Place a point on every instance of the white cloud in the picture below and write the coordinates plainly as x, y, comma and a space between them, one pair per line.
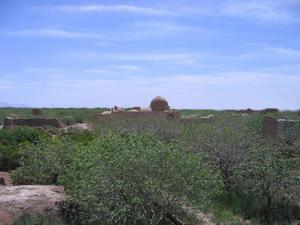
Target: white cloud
218, 91
98, 71
280, 55
289, 52
260, 10
101, 8
55, 33
172, 58
129, 32
43, 70
164, 28
264, 11
128, 68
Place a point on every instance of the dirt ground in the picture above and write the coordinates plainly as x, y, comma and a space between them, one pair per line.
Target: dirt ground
29, 199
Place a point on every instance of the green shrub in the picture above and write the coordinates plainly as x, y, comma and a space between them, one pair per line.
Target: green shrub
9, 157
225, 142
37, 220
70, 120
18, 135
138, 179
270, 176
11, 139
83, 137
78, 118
291, 133
162, 128
44, 162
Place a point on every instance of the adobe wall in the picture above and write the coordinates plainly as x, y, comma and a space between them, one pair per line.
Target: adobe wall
270, 128
32, 122
140, 115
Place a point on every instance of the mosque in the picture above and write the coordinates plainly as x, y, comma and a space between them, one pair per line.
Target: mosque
159, 108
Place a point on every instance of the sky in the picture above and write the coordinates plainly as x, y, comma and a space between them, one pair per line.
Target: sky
204, 54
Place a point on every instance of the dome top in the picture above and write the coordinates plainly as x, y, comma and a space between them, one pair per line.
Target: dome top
159, 98
159, 104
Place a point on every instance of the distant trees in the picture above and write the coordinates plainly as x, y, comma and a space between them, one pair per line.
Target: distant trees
224, 142
251, 168
149, 173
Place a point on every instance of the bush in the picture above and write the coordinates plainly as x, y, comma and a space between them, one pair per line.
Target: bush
37, 220
224, 142
13, 137
45, 162
9, 157
138, 179
83, 137
162, 128
291, 133
270, 176
69, 120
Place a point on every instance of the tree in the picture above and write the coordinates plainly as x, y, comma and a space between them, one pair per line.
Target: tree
224, 142
138, 179
269, 174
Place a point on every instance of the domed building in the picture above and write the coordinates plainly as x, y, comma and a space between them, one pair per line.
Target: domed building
159, 104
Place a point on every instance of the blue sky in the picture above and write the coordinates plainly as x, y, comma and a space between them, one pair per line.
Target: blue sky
198, 54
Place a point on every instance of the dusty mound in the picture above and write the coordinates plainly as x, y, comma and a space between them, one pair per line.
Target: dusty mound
78, 127
5, 218
5, 179
30, 199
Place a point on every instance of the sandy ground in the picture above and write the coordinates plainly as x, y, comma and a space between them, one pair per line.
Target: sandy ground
31, 199
5, 218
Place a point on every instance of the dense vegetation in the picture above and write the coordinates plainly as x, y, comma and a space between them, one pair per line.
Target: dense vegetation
150, 172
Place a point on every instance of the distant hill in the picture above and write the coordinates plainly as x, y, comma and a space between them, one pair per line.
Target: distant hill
5, 105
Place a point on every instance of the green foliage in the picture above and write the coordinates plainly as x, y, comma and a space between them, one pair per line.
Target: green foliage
163, 129
13, 137
241, 204
9, 157
253, 125
44, 162
291, 133
69, 120
37, 220
224, 142
122, 178
270, 176
83, 137
226, 216
138, 179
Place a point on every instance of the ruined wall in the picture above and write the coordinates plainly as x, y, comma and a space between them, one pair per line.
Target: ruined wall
270, 128
140, 115
36, 112
32, 122
269, 110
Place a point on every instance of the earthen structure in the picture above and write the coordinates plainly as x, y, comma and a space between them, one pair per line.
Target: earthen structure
269, 110
159, 104
36, 112
32, 122
270, 128
159, 109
